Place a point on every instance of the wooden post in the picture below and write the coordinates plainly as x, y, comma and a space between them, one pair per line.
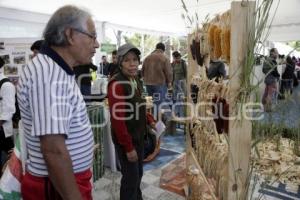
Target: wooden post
242, 21
192, 69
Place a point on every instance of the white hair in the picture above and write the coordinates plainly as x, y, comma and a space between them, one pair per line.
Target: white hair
65, 17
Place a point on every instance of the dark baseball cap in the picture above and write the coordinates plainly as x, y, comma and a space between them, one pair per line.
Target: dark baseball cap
124, 49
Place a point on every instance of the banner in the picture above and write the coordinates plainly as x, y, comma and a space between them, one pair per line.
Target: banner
16, 54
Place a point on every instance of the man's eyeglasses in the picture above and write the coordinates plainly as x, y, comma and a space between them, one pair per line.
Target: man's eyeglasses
92, 36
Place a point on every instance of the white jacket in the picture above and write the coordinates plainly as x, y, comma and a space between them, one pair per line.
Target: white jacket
7, 105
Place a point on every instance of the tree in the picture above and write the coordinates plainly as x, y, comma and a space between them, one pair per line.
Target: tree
149, 42
295, 45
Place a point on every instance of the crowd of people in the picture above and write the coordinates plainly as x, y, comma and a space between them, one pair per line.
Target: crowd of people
52, 93
57, 130
278, 86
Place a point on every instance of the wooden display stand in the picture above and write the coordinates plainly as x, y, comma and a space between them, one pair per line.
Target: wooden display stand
239, 136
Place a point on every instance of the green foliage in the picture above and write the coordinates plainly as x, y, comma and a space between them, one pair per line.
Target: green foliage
149, 42
295, 45
271, 131
258, 32
135, 39
180, 44
177, 43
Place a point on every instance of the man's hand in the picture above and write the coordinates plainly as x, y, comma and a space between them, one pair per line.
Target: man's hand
59, 162
132, 156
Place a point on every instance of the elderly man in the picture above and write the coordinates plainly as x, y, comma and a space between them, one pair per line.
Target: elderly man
57, 129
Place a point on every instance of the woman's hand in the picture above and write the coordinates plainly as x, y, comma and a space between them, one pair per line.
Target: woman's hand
132, 156
153, 126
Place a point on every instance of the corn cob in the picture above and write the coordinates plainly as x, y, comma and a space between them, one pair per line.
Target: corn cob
217, 43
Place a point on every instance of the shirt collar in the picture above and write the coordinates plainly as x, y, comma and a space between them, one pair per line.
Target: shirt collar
45, 49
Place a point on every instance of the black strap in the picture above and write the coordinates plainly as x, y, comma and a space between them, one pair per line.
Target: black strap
183, 68
4, 81
182, 63
1, 83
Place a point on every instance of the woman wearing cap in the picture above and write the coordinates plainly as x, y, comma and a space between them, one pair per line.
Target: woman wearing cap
128, 119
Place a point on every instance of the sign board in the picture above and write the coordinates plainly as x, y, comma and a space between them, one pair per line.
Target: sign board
16, 54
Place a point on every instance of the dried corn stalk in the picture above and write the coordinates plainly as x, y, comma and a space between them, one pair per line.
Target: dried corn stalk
197, 186
204, 38
212, 154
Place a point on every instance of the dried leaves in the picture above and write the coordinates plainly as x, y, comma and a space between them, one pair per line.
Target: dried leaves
277, 165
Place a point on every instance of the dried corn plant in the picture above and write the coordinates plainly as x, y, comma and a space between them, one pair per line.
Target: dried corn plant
211, 149
207, 144
212, 153
198, 189
191, 19
203, 34
199, 29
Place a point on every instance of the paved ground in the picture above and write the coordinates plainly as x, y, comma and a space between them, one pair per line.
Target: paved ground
107, 188
286, 111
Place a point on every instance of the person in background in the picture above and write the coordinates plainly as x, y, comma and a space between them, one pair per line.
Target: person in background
287, 78
271, 79
294, 59
36, 46
179, 82
84, 79
113, 66
7, 109
128, 125
157, 75
57, 129
104, 66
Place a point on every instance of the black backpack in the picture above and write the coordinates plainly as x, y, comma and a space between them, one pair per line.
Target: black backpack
182, 63
17, 115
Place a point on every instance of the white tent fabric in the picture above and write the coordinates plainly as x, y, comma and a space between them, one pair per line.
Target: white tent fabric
286, 50
156, 16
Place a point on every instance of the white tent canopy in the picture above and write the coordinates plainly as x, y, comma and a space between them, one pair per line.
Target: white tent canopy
286, 50
20, 18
